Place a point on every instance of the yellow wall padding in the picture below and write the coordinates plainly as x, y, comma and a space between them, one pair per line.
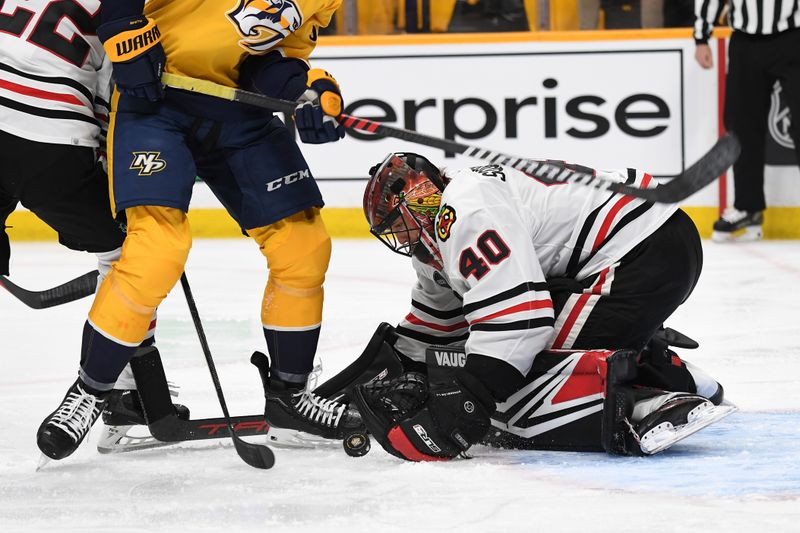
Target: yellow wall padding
374, 16
441, 13
532, 13
564, 15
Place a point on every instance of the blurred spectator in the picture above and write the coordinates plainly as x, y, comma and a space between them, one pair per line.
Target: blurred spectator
628, 14
678, 13
489, 16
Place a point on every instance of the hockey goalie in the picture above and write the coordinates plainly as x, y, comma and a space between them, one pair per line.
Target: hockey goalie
540, 309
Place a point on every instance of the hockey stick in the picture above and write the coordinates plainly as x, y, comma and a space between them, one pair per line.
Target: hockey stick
256, 455
707, 169
70, 291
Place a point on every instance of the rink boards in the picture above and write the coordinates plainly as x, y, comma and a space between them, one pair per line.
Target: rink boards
603, 99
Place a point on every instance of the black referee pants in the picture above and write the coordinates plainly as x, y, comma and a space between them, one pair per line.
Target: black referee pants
755, 63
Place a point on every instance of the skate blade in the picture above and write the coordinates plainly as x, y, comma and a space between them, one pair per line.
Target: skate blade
117, 439
291, 438
749, 234
43, 461
665, 435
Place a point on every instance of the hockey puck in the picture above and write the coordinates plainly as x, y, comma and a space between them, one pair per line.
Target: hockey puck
356, 444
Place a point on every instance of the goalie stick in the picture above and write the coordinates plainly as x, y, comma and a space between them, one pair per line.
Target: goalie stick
70, 291
702, 173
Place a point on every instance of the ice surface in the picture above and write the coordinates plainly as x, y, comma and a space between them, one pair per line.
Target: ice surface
742, 474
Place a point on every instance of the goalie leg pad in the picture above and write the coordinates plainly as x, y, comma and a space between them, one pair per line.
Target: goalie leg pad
378, 362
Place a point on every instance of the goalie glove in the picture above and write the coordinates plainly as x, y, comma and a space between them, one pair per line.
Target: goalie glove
454, 417
315, 115
133, 44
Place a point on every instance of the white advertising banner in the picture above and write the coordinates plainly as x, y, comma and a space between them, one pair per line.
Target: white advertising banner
605, 104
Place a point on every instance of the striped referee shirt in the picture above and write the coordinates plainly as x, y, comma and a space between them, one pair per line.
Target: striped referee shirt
756, 17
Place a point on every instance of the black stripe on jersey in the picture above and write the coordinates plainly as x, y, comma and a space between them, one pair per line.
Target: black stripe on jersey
624, 221
527, 286
776, 13
47, 113
745, 15
101, 103
574, 260
430, 339
705, 28
436, 313
511, 326
795, 10
55, 80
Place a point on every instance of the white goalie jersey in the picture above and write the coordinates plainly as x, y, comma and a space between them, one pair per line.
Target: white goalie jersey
55, 80
502, 234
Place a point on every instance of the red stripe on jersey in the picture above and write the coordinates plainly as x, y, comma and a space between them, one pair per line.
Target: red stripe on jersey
38, 93
372, 126
401, 443
571, 318
438, 327
524, 306
622, 202
601, 235
601, 279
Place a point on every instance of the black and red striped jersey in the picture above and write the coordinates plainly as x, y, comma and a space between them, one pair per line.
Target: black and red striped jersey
55, 81
502, 234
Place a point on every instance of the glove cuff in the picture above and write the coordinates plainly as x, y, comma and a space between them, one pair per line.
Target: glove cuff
127, 39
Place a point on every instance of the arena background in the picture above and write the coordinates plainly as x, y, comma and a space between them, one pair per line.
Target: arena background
605, 99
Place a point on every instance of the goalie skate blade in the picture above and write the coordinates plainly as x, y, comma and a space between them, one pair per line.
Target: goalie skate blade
43, 461
665, 435
291, 438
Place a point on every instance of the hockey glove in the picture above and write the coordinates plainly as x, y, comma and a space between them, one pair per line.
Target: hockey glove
133, 45
319, 106
454, 417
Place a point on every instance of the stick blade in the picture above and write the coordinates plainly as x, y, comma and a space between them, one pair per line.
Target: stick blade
75, 289
256, 455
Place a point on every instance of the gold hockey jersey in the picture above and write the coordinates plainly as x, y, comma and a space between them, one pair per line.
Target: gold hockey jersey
210, 39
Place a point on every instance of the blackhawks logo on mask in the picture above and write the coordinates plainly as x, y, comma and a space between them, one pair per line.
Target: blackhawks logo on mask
444, 222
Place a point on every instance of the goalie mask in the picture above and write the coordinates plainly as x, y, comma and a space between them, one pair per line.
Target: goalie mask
401, 201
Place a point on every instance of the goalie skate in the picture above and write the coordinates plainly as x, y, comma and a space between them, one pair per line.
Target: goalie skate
678, 416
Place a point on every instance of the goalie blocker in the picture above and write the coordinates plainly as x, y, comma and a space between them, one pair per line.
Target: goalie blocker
571, 400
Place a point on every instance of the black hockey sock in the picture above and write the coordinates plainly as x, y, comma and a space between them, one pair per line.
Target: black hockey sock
291, 354
102, 359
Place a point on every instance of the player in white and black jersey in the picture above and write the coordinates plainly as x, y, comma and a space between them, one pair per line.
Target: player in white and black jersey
508, 267
55, 87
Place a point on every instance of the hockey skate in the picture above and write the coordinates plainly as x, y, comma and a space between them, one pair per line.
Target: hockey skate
125, 426
64, 429
661, 419
298, 417
738, 226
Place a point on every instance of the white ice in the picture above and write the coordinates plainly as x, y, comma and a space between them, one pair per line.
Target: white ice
741, 475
